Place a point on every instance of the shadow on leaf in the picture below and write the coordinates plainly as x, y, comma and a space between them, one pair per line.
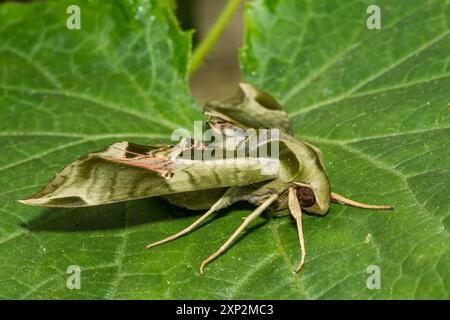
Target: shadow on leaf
105, 217
116, 216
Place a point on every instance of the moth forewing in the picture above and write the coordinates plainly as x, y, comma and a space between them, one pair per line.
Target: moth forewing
111, 175
249, 108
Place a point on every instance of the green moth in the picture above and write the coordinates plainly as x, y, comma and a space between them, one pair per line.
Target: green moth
126, 171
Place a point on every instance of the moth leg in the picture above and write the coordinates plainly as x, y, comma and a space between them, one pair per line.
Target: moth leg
236, 233
342, 200
223, 202
296, 211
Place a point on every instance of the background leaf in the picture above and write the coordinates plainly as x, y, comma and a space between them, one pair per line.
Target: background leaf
374, 101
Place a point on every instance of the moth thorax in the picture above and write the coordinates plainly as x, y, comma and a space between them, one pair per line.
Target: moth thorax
306, 196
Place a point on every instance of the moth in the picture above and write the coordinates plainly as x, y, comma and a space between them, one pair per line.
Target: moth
126, 171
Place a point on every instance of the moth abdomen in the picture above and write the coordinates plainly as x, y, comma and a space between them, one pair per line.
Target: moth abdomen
195, 200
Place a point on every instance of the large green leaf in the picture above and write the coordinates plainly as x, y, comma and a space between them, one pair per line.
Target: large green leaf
375, 101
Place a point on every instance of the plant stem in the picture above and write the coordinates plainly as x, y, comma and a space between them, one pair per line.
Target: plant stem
214, 33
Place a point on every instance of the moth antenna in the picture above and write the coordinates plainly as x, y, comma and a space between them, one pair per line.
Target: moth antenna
236, 233
296, 211
345, 201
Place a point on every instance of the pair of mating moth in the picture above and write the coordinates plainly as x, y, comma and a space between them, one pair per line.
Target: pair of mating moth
126, 171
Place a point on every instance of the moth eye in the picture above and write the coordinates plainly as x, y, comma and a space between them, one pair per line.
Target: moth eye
306, 196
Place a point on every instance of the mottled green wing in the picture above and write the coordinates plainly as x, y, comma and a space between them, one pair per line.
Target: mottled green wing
249, 108
126, 171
